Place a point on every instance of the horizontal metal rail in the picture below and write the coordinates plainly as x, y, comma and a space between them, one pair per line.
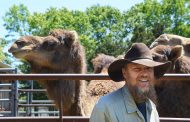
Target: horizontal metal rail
5, 90
32, 112
5, 84
7, 69
44, 112
32, 90
33, 105
71, 119
78, 77
44, 119
54, 76
3, 100
37, 101
166, 119
5, 112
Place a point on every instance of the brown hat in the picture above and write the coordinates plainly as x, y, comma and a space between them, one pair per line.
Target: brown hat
138, 53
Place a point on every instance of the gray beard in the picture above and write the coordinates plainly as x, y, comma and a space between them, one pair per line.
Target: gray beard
140, 96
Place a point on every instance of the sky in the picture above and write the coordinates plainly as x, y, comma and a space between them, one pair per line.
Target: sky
43, 5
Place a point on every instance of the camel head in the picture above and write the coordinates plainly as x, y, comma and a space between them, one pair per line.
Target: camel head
59, 52
35, 50
22, 47
101, 63
163, 53
168, 39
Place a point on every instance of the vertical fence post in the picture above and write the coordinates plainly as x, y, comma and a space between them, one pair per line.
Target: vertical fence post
31, 96
29, 99
15, 96
27, 102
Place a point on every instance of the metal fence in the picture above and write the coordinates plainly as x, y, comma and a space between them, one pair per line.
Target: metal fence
12, 106
8, 77
8, 94
33, 107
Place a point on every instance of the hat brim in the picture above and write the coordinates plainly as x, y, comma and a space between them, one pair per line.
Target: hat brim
115, 69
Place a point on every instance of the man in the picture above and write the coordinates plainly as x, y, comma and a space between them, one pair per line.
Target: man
133, 102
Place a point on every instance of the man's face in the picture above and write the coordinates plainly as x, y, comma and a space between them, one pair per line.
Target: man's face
139, 79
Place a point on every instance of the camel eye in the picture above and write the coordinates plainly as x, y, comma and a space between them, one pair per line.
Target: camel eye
162, 41
48, 45
59, 38
157, 57
20, 43
52, 44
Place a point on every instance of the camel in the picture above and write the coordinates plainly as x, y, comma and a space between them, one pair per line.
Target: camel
173, 96
60, 52
173, 40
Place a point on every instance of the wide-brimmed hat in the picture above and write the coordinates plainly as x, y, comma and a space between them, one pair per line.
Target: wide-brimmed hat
138, 53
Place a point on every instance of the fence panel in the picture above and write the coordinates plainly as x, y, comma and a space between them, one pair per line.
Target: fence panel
76, 77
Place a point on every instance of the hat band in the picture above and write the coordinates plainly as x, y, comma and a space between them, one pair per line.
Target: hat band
139, 58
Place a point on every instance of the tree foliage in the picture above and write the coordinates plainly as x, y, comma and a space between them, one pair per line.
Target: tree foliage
2, 44
104, 29
152, 18
16, 20
108, 29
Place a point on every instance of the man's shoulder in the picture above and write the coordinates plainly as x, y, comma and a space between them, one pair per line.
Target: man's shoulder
111, 98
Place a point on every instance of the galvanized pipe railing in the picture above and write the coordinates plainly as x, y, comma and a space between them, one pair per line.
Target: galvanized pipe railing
54, 76
79, 77
32, 90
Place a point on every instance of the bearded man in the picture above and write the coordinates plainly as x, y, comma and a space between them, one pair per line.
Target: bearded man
135, 101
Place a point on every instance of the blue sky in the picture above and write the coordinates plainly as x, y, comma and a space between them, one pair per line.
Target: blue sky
42, 5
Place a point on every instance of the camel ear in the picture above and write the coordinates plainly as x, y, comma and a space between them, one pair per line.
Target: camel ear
175, 41
66, 37
61, 38
187, 47
69, 38
58, 34
176, 52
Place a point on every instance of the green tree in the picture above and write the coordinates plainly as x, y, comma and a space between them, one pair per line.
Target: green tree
2, 44
16, 20
104, 29
108, 29
141, 34
177, 13
42, 23
166, 16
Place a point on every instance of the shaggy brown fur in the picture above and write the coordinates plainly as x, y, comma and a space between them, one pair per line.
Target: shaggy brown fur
101, 64
173, 96
173, 40
52, 55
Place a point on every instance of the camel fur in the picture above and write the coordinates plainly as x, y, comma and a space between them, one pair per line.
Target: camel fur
173, 96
